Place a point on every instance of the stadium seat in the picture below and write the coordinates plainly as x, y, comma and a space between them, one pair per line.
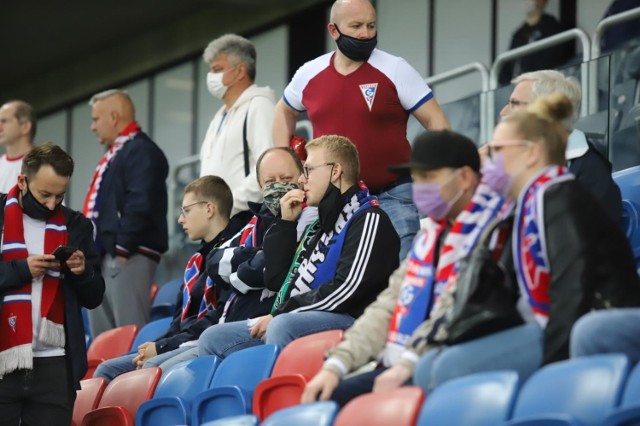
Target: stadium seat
313, 414
150, 332
164, 303
171, 403
577, 391
628, 181
110, 344
88, 397
398, 407
483, 399
88, 338
299, 361
243, 420
153, 291
628, 413
122, 397
233, 384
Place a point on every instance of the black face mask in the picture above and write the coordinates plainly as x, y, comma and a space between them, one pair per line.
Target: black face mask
354, 48
34, 209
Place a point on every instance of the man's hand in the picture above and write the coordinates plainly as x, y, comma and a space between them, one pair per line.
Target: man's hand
259, 329
39, 264
146, 351
393, 378
291, 204
320, 387
76, 263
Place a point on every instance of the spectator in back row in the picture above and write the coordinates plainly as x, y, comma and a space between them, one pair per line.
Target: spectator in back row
17, 130
366, 95
127, 203
241, 129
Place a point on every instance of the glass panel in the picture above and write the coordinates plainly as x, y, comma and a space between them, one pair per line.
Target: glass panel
139, 92
207, 104
272, 64
53, 128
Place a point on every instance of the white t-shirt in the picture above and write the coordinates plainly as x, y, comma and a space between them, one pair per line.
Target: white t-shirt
9, 171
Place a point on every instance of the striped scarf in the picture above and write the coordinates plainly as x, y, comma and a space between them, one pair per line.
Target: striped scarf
16, 329
191, 275
90, 208
529, 246
421, 287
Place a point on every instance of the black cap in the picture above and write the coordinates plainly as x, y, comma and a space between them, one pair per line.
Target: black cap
437, 149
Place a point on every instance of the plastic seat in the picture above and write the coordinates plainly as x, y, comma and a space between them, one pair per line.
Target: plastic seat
398, 407
576, 391
110, 344
313, 414
150, 332
171, 403
233, 384
88, 397
299, 361
164, 303
628, 181
628, 412
153, 291
122, 397
244, 420
475, 400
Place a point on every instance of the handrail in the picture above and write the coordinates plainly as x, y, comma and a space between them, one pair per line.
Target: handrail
609, 22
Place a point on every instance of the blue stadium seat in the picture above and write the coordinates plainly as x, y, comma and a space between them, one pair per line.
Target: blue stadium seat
577, 391
243, 420
233, 384
150, 332
483, 399
628, 181
313, 414
171, 403
629, 411
88, 338
165, 302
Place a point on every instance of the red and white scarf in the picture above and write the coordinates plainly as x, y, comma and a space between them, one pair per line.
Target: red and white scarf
16, 329
90, 208
191, 275
529, 244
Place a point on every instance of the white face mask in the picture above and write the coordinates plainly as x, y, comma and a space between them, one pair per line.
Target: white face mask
215, 85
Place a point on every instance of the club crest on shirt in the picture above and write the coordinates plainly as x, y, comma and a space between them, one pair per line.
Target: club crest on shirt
12, 322
369, 93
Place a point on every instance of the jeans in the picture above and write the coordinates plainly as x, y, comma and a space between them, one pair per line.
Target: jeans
224, 339
355, 386
519, 348
175, 357
111, 368
608, 331
398, 204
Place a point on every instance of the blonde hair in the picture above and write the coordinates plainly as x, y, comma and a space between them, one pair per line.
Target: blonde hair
341, 150
542, 122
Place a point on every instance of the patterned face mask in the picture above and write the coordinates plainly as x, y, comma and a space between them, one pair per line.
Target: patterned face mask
273, 192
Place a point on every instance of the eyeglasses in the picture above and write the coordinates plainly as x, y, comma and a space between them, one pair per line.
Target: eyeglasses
513, 103
494, 146
306, 170
184, 211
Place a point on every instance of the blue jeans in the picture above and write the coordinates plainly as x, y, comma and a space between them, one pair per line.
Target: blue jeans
398, 204
519, 348
608, 331
111, 368
224, 339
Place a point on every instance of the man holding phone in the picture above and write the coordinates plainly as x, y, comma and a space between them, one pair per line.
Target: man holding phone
42, 347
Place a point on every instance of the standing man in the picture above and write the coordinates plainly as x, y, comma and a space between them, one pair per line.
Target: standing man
127, 202
42, 349
17, 129
364, 94
241, 129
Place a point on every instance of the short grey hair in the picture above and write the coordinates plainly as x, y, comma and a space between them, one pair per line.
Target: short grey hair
25, 113
107, 94
547, 82
239, 48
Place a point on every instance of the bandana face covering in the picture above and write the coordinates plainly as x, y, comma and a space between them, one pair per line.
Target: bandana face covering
273, 192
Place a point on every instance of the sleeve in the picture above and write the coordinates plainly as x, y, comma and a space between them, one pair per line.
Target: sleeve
189, 333
363, 268
14, 273
279, 250
146, 171
367, 337
413, 91
293, 92
239, 267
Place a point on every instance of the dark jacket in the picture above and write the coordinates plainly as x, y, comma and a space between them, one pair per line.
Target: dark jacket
133, 201
368, 257
85, 290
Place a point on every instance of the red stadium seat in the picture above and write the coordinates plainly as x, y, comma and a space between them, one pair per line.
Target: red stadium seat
110, 344
88, 397
398, 407
153, 291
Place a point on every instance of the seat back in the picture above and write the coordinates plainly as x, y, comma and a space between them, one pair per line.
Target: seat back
305, 355
188, 379
88, 397
165, 301
398, 407
628, 181
246, 368
112, 343
631, 396
586, 389
151, 331
131, 389
314, 414
479, 399
153, 291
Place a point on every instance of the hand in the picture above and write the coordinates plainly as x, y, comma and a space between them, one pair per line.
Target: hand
322, 384
291, 204
259, 329
40, 264
122, 259
393, 378
146, 351
76, 263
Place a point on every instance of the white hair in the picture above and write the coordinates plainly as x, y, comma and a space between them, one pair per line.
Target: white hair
107, 94
241, 49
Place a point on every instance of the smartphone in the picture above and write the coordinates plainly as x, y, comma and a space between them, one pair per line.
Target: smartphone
63, 253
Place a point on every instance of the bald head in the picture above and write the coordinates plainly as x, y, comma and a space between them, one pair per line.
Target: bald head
111, 112
343, 10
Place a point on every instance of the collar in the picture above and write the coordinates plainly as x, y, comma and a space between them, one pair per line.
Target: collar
577, 145
131, 128
332, 204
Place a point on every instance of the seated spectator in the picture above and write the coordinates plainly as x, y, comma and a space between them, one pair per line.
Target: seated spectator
445, 168
341, 264
567, 260
206, 207
607, 331
584, 161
